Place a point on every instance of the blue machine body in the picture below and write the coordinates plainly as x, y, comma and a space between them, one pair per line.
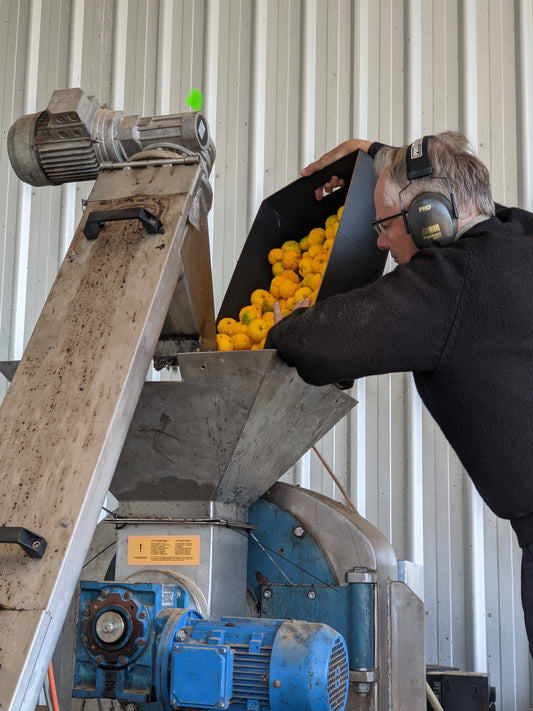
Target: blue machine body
140, 643
291, 578
121, 665
134, 649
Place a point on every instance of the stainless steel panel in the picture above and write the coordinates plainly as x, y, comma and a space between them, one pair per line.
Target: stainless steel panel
232, 427
407, 661
217, 582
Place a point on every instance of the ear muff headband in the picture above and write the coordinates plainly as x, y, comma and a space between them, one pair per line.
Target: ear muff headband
432, 217
416, 159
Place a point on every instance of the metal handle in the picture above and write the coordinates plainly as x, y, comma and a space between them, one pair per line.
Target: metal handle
96, 220
31, 543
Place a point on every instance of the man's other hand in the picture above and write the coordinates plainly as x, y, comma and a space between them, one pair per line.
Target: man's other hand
330, 157
303, 304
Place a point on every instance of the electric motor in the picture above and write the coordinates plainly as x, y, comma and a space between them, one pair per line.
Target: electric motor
135, 645
75, 135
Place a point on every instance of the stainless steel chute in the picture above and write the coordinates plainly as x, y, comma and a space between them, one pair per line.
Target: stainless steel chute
230, 429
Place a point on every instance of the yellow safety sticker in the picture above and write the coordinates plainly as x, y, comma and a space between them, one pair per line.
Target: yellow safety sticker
164, 550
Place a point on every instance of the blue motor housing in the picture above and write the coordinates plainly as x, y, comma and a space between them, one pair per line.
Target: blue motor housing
135, 648
256, 665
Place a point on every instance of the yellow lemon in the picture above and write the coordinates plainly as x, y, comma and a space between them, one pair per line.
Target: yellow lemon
291, 245
318, 261
227, 326
257, 330
339, 212
275, 255
290, 303
303, 292
258, 296
304, 243
224, 342
332, 219
290, 259
248, 313
314, 282
277, 268
240, 327
268, 304
287, 288
291, 276
305, 266
274, 286
268, 317
315, 250
316, 236
241, 342
331, 230
328, 244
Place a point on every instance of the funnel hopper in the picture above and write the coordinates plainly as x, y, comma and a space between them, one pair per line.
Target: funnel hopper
230, 429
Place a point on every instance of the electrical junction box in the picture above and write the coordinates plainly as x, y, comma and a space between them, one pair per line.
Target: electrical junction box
293, 211
462, 691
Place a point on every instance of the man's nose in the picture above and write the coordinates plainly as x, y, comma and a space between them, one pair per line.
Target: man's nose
382, 242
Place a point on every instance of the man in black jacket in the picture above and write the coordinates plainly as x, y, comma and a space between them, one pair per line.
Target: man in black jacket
458, 314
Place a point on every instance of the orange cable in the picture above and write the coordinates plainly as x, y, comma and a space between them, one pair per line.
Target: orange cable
53, 690
337, 482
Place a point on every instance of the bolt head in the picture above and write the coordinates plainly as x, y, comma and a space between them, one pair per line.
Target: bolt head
276, 684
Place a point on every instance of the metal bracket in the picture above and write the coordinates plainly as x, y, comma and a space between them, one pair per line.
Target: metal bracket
96, 220
31, 543
361, 575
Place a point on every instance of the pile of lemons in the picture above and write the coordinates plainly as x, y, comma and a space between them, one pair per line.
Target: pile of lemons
297, 270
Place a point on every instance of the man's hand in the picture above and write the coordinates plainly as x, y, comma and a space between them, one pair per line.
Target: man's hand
340, 151
303, 304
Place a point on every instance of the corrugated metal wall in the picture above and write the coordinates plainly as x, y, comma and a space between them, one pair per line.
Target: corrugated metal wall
284, 80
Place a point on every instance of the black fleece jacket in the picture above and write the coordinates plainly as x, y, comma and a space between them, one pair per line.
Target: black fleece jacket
461, 319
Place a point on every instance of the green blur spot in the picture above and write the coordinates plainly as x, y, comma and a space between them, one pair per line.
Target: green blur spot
195, 99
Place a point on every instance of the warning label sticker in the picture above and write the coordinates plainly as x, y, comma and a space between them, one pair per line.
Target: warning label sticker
166, 550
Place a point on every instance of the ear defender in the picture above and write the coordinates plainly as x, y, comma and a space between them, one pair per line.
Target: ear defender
430, 220
432, 217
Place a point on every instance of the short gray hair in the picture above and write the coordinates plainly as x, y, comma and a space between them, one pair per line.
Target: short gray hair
451, 156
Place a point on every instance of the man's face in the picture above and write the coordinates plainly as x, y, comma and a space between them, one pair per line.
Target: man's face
393, 235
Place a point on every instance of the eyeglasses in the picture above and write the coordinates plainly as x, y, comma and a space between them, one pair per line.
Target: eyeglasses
376, 224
